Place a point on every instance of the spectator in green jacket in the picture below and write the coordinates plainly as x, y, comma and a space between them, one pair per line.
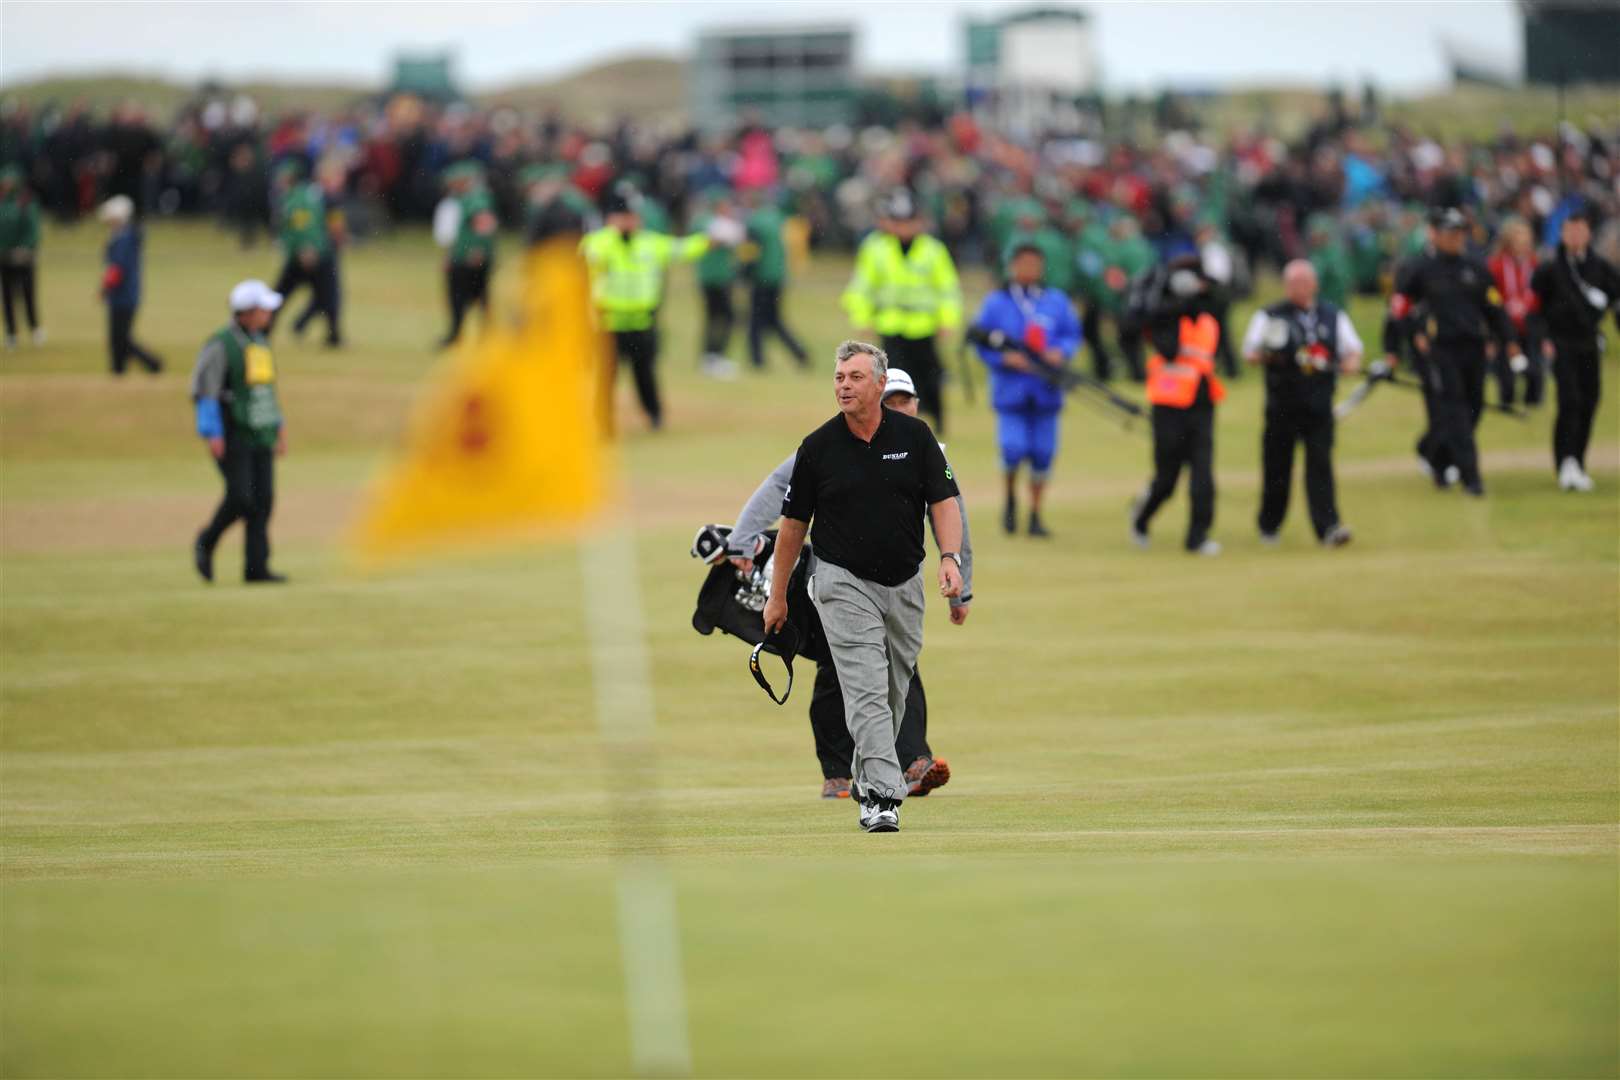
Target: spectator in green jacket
1032, 227
767, 275
1334, 272
308, 251
717, 278
19, 248
466, 227
553, 204
1110, 260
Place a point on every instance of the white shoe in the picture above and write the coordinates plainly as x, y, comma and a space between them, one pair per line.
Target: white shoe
1338, 536
1452, 474
880, 815
1269, 539
39, 335
719, 367
1209, 548
1571, 477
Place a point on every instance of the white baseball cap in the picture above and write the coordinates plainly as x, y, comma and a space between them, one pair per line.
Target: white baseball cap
119, 209
899, 383
254, 294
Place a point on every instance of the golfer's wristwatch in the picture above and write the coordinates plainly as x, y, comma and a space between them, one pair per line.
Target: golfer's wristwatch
953, 556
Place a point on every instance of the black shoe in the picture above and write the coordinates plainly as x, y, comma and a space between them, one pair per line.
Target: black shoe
1035, 526
202, 557
266, 578
1009, 517
1476, 489
155, 367
334, 343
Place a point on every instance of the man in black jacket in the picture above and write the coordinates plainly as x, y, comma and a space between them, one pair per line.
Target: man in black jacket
1464, 311
1573, 291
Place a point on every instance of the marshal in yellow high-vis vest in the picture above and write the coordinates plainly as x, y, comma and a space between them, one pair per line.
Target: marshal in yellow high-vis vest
904, 292
627, 272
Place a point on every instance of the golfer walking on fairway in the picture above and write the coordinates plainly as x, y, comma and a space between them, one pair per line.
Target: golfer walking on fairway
866, 477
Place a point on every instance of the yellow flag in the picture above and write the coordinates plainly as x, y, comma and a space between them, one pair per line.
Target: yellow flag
507, 443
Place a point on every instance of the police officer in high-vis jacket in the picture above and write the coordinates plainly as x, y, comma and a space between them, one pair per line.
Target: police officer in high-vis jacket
239, 418
1174, 309
906, 290
1303, 342
627, 266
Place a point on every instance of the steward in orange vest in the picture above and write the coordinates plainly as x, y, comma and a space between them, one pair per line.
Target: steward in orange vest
1184, 391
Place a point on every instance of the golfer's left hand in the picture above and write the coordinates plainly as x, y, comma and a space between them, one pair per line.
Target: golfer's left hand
775, 614
959, 614
950, 578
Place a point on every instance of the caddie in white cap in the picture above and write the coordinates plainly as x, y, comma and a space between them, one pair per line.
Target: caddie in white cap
899, 382
238, 416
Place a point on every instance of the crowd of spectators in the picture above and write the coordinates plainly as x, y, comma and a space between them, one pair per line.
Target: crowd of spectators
1351, 195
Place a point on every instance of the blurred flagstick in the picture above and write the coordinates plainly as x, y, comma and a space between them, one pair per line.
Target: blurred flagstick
649, 930
508, 444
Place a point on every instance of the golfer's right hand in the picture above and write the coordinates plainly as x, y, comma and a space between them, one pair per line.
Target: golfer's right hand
775, 614
1548, 352
216, 446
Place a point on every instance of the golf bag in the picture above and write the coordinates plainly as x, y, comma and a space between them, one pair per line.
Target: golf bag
733, 602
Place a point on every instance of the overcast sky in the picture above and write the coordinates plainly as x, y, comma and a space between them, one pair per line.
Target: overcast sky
1141, 44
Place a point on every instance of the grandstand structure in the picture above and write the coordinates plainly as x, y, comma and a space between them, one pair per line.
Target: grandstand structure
782, 76
1569, 42
1032, 71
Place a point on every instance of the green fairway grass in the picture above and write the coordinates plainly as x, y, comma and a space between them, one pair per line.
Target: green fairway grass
1288, 812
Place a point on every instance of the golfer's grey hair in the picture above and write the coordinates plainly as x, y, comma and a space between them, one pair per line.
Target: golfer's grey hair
880, 359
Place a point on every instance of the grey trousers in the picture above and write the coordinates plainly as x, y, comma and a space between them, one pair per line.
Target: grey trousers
874, 633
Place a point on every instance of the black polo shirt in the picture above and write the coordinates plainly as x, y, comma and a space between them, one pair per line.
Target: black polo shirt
868, 499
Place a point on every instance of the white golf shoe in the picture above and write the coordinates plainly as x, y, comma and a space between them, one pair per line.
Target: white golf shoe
880, 815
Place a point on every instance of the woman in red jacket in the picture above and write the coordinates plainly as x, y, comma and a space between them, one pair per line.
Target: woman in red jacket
1511, 265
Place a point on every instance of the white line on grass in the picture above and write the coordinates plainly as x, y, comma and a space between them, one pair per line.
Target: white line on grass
649, 930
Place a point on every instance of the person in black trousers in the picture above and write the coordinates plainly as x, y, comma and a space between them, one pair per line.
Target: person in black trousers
1574, 290
1304, 343
121, 286
19, 251
835, 746
1172, 307
239, 418
1464, 310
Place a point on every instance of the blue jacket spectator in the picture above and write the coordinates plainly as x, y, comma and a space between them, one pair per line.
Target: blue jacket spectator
122, 278
1013, 310
121, 285
1027, 405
